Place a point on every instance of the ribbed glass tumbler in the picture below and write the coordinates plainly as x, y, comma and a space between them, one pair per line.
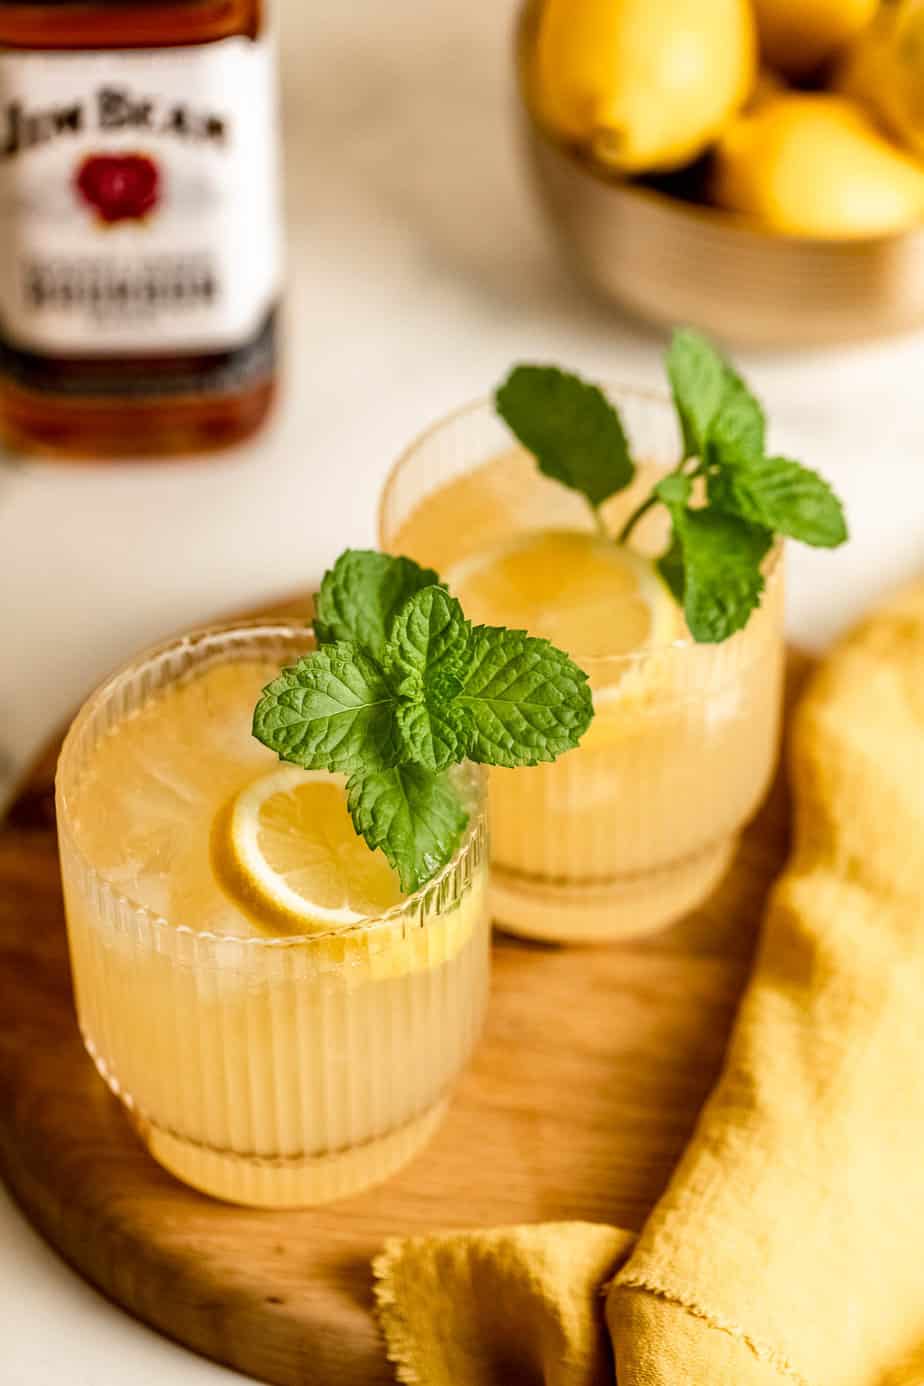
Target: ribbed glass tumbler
263, 1068
636, 826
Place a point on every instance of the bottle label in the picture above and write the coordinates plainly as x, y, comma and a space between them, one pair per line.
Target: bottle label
138, 205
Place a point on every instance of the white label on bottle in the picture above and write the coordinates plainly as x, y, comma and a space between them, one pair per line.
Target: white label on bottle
138, 199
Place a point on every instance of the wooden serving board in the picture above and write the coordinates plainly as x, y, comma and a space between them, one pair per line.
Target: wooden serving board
582, 1095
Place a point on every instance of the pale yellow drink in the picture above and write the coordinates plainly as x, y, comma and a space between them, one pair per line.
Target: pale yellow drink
266, 1058
637, 825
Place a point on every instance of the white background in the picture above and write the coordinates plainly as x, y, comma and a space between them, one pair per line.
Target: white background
419, 271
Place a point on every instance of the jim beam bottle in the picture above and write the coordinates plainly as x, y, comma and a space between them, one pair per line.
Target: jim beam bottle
139, 226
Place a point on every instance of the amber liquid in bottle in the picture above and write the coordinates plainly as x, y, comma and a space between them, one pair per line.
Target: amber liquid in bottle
138, 210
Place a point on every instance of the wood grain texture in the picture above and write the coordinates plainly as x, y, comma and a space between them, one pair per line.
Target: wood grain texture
584, 1091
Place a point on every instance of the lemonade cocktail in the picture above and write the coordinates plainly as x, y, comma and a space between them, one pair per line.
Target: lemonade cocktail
283, 1025
636, 826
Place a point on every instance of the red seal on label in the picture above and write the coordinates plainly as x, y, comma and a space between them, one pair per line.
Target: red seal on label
119, 187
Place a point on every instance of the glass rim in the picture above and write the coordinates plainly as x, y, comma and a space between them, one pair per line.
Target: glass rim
643, 394
202, 635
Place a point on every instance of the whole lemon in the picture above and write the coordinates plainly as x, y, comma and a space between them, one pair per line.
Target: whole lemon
813, 164
799, 35
884, 70
644, 84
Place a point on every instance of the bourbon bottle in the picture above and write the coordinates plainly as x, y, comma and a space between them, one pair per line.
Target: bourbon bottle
139, 226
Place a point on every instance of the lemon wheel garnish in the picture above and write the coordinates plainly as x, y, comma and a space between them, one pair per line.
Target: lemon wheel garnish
291, 853
587, 594
665, 619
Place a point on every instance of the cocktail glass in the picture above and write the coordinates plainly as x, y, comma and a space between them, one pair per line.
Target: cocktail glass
264, 1067
636, 826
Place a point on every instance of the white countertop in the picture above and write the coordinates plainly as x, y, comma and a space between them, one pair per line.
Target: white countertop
419, 272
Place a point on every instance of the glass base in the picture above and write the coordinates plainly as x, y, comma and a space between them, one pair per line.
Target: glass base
632, 908
295, 1183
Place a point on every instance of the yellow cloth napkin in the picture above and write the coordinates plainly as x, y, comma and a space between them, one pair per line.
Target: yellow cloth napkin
789, 1246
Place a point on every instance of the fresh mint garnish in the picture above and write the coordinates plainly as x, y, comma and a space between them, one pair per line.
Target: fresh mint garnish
720, 556
429, 643
333, 711
571, 429
738, 431
721, 421
414, 691
412, 815
782, 495
698, 381
360, 595
427, 655
721, 529
434, 735
671, 568
529, 701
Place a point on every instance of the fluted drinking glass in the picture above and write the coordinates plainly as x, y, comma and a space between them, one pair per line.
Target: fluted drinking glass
636, 826
267, 1069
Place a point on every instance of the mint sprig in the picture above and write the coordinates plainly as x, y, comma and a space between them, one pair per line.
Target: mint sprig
721, 529
403, 688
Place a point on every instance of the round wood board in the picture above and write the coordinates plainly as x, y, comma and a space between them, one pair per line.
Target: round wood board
586, 1086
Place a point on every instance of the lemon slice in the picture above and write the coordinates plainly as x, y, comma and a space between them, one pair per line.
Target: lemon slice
291, 853
288, 853
589, 595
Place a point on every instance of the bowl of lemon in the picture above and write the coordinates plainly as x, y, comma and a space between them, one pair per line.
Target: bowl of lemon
755, 167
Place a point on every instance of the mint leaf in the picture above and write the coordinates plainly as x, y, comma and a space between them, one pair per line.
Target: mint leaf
496, 695
723, 579
722, 556
333, 710
360, 595
413, 816
426, 661
570, 427
433, 734
738, 432
671, 567
719, 417
697, 375
713, 563
428, 641
529, 702
784, 496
